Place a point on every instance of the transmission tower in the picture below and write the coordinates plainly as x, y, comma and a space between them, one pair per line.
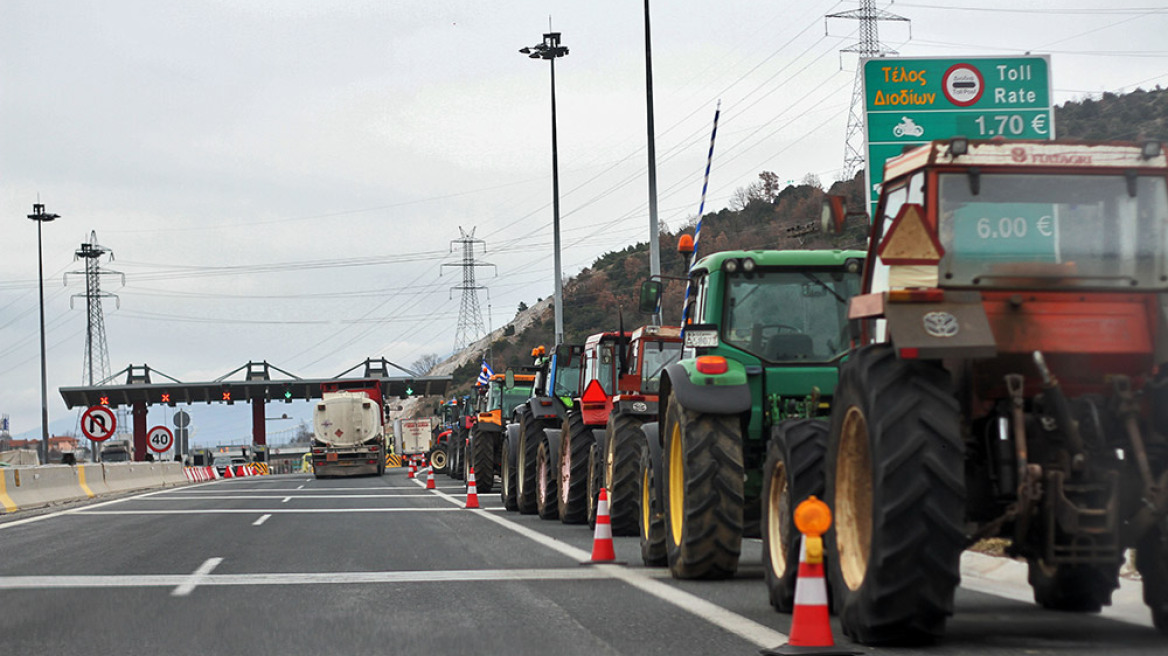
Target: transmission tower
96, 366
470, 318
868, 46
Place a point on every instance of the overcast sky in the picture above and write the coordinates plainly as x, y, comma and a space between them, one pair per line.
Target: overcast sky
281, 180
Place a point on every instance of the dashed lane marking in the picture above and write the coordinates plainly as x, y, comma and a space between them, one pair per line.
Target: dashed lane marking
262, 519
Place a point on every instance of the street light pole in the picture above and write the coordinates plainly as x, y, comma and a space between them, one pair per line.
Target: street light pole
40, 216
550, 50
654, 241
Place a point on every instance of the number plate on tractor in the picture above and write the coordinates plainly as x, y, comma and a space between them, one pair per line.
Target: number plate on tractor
701, 338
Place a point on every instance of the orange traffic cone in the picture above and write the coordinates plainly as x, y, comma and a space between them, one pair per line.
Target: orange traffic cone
412, 470
430, 479
472, 491
602, 551
810, 624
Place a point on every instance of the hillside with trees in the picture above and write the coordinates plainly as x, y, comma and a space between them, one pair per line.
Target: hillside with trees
767, 215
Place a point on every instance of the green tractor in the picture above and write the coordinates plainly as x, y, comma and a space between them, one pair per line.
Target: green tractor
742, 424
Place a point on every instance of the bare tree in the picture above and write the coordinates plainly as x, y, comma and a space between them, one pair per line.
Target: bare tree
425, 363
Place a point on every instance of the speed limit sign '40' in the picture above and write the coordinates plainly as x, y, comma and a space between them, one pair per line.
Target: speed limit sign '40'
159, 439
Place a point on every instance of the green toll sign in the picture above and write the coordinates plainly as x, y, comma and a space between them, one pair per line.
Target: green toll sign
908, 102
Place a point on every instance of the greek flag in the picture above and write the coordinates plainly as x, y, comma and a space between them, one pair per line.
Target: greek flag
484, 374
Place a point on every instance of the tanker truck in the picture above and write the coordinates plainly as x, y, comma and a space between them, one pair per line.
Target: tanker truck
349, 429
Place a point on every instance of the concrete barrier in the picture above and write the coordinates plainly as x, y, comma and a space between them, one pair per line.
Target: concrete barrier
22, 488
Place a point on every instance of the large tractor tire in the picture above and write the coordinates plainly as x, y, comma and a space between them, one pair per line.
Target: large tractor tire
792, 473
623, 442
458, 449
545, 482
439, 459
530, 436
652, 519
895, 481
595, 482
1072, 588
575, 443
483, 460
507, 472
704, 493
1152, 563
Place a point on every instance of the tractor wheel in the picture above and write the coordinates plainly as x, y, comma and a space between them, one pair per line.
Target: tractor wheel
1072, 588
652, 524
1152, 563
595, 482
483, 461
507, 474
439, 459
623, 442
895, 481
459, 451
545, 483
530, 435
572, 471
793, 472
703, 493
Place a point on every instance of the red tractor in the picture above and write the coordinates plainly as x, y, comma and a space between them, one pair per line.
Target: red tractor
1010, 382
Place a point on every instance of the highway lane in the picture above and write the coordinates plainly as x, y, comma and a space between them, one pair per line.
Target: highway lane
290, 565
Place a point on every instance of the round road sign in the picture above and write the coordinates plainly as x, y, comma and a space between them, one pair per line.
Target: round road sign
962, 84
98, 423
181, 419
159, 439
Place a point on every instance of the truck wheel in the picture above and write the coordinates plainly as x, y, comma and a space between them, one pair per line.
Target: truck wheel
438, 459
545, 496
704, 493
595, 482
575, 442
652, 524
621, 460
793, 472
895, 481
483, 461
507, 474
1072, 588
1152, 563
530, 436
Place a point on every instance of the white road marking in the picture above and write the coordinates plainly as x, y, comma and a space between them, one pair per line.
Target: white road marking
269, 490
196, 578
286, 499
252, 511
71, 511
743, 627
301, 487
261, 520
248, 497
206, 579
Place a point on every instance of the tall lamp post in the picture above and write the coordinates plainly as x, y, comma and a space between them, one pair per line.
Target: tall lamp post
40, 216
550, 50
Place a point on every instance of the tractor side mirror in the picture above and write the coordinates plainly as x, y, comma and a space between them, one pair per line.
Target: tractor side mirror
831, 216
650, 296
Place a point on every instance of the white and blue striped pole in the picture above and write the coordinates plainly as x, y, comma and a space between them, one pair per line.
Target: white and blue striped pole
698, 229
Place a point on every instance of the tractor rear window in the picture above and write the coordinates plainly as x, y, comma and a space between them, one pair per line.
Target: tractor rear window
1015, 230
789, 316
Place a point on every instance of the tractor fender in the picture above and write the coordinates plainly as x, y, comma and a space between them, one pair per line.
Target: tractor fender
723, 394
541, 411
552, 435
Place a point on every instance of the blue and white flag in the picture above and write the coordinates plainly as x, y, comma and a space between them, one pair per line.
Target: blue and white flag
484, 374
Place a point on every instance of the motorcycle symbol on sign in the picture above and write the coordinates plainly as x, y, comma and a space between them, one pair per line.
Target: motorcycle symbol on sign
907, 128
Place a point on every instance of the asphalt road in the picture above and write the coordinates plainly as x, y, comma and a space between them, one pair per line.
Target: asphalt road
293, 565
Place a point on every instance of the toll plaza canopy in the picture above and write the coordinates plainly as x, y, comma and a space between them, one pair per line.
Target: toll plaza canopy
257, 386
